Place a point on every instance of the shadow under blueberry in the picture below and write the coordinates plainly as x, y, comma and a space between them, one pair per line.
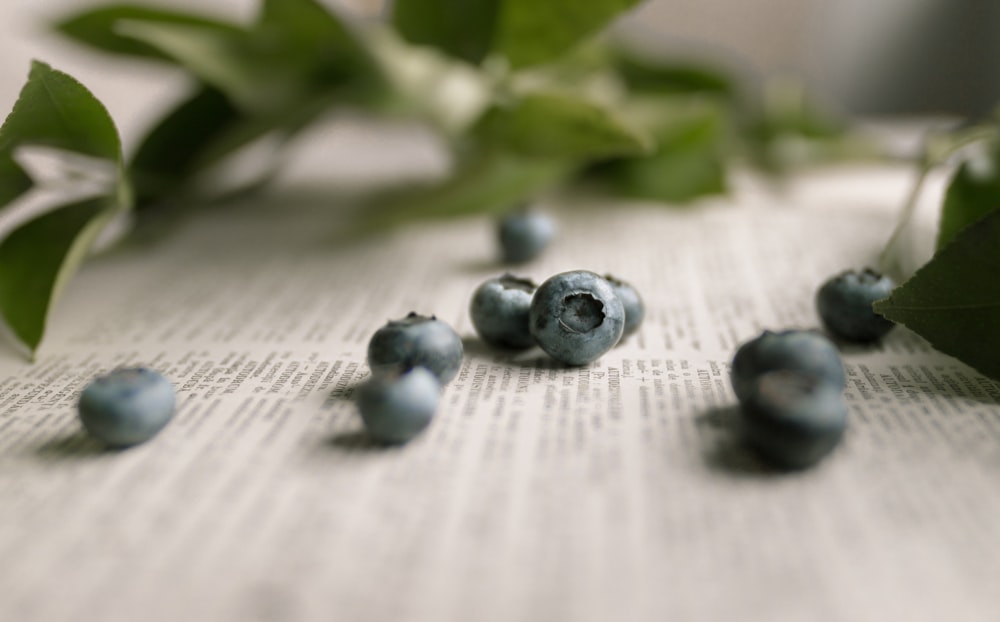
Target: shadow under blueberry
355, 440
723, 449
73, 446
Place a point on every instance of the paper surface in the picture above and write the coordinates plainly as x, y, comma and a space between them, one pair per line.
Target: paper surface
616, 491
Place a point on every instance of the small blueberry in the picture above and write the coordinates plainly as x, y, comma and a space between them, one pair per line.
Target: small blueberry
127, 406
798, 350
524, 235
793, 418
499, 311
397, 405
576, 317
417, 340
635, 309
844, 303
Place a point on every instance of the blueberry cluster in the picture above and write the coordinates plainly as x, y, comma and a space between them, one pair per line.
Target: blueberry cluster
574, 316
790, 386
126, 406
411, 360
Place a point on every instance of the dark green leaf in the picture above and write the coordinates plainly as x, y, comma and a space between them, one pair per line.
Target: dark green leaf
973, 193
533, 32
461, 28
99, 28
555, 125
954, 300
172, 152
39, 257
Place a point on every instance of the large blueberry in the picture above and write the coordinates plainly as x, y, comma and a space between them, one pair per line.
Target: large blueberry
793, 418
397, 405
798, 350
635, 309
416, 340
576, 317
524, 234
844, 303
499, 311
127, 406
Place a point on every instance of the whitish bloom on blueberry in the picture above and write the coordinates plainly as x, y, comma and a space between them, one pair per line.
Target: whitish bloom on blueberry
499, 311
844, 303
797, 350
397, 405
524, 234
793, 418
635, 309
576, 317
127, 406
416, 340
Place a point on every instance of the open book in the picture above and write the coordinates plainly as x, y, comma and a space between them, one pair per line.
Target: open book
615, 491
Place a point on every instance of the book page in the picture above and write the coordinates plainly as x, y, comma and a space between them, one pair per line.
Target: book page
614, 491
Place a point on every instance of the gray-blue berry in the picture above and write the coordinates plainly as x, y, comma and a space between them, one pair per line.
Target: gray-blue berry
524, 234
576, 317
416, 340
395, 406
499, 311
797, 350
635, 309
127, 406
844, 303
792, 418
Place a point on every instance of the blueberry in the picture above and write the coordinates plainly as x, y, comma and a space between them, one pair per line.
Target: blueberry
635, 310
499, 311
844, 303
127, 406
524, 235
797, 350
793, 418
397, 405
576, 317
417, 340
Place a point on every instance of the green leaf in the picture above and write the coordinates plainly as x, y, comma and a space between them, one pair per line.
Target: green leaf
555, 125
38, 258
954, 300
174, 149
974, 192
533, 32
296, 50
99, 28
650, 74
689, 160
461, 28
53, 110
488, 184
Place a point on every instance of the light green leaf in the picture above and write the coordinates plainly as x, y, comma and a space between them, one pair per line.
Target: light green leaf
38, 258
954, 300
973, 192
53, 110
461, 28
99, 28
556, 125
533, 32
688, 161
488, 184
